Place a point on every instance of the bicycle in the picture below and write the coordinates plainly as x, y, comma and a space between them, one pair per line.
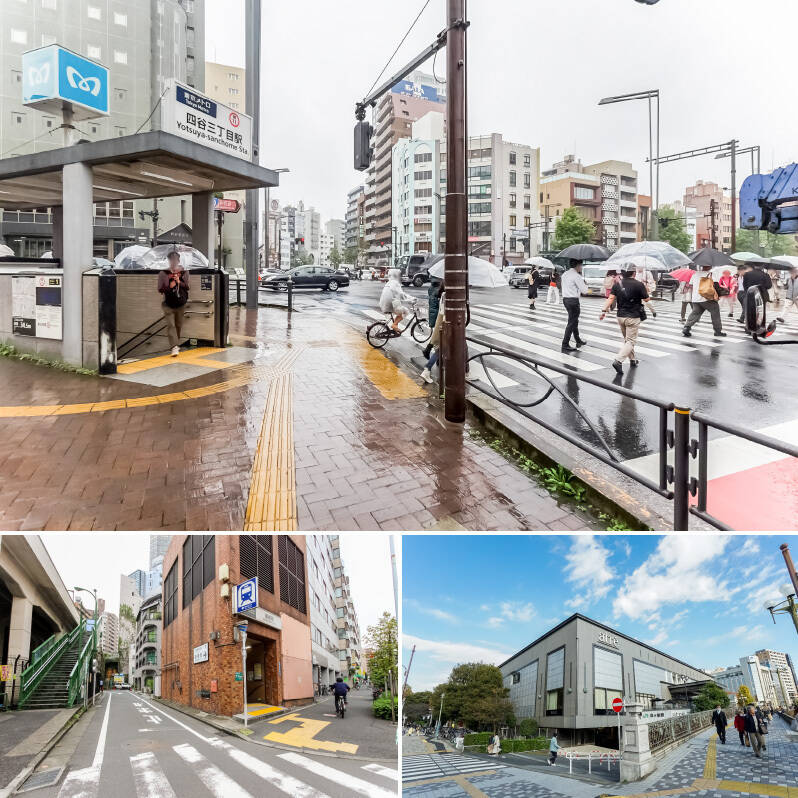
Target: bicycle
340, 706
379, 333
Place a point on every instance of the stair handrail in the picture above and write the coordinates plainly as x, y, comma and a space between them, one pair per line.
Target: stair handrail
77, 675
30, 678
41, 650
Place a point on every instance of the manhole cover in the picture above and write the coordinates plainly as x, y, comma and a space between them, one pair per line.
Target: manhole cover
44, 778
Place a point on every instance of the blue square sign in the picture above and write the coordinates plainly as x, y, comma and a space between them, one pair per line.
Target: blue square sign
246, 596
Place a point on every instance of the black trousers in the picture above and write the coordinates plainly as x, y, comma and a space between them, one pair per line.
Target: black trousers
572, 328
721, 732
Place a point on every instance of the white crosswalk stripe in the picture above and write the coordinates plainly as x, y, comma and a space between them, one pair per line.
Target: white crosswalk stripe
149, 778
430, 766
357, 786
218, 783
381, 770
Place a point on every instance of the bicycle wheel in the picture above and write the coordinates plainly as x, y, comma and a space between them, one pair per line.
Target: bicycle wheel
378, 334
421, 331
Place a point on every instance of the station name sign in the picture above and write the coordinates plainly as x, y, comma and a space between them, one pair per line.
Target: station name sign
609, 640
187, 113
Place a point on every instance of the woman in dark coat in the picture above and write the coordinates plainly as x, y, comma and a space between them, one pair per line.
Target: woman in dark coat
532, 292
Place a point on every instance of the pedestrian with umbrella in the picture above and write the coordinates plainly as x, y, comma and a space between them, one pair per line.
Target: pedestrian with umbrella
755, 274
534, 277
704, 298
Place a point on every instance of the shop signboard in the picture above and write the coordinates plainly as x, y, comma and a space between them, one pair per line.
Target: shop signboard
36, 306
226, 205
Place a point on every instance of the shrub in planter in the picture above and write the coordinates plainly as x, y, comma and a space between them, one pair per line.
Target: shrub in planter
382, 706
479, 738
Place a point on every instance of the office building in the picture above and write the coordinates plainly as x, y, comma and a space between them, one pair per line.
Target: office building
336, 228
130, 599
781, 663
146, 667
354, 216
201, 642
713, 214
568, 678
689, 218
323, 625
768, 678
393, 116
346, 622
109, 634
326, 245
139, 580
158, 546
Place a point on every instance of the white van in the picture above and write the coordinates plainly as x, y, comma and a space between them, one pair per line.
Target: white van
594, 274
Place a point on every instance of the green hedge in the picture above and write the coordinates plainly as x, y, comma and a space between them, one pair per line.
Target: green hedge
524, 744
382, 706
479, 738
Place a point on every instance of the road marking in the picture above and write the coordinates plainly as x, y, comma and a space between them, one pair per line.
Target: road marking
304, 735
100, 751
181, 724
149, 778
567, 360
356, 785
219, 784
281, 781
382, 771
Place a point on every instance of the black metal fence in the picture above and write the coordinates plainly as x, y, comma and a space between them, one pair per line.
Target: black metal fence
674, 481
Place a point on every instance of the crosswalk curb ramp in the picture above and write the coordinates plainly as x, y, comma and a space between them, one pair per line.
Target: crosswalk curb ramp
418, 767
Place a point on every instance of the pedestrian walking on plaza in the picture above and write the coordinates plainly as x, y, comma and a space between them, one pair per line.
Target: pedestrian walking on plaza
704, 298
729, 283
553, 295
532, 292
495, 746
554, 747
753, 727
739, 724
721, 721
573, 286
790, 295
173, 284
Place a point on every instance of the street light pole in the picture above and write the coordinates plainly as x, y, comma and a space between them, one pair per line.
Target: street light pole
251, 210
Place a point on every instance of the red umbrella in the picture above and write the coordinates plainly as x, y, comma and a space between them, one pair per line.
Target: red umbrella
682, 275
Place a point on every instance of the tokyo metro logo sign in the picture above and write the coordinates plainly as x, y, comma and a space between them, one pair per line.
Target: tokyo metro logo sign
77, 81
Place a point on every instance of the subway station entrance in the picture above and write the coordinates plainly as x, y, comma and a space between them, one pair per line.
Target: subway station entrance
97, 317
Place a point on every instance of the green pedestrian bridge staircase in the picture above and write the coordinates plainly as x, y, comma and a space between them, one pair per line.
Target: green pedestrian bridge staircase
57, 674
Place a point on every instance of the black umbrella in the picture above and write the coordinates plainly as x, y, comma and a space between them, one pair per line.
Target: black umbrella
710, 257
584, 252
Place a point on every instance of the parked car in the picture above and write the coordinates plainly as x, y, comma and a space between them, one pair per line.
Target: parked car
307, 277
517, 276
415, 269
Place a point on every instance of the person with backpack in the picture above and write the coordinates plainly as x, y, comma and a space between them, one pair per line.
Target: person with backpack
704, 298
630, 294
173, 284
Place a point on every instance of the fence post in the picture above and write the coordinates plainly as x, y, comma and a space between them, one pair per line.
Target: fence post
637, 761
681, 469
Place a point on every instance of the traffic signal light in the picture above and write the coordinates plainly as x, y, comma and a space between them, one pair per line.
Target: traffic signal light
363, 151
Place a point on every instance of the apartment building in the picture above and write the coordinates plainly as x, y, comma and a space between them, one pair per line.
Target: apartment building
323, 625
130, 599
109, 634
347, 626
766, 681
336, 229
408, 101
354, 221
782, 664
689, 218
711, 204
146, 665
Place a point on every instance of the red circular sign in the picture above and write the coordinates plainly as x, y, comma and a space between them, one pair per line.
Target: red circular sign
235, 120
617, 704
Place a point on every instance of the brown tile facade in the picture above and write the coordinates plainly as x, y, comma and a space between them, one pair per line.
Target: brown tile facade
283, 656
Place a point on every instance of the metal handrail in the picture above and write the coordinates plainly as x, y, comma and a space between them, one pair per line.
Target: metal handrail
78, 673
41, 650
30, 678
128, 347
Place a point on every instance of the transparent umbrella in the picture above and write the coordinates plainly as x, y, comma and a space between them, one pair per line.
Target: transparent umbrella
785, 260
128, 258
6, 252
156, 258
669, 257
540, 262
749, 257
481, 273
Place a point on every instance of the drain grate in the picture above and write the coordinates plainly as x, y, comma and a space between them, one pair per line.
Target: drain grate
44, 778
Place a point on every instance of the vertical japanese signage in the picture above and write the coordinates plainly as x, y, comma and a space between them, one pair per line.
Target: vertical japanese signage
36, 306
193, 116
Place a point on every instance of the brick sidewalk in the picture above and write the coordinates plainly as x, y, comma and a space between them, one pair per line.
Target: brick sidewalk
318, 432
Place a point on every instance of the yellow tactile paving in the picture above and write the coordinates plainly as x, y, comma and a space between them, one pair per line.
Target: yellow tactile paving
387, 378
304, 735
192, 356
259, 710
710, 765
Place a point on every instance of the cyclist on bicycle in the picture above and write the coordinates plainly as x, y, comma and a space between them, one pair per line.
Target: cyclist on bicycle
340, 690
394, 300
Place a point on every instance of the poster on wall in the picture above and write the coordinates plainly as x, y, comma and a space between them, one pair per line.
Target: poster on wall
36, 309
257, 671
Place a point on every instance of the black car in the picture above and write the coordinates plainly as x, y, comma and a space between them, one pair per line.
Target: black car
415, 269
307, 277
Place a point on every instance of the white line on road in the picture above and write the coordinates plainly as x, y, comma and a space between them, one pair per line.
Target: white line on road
97, 762
382, 771
219, 784
150, 780
179, 723
280, 781
357, 786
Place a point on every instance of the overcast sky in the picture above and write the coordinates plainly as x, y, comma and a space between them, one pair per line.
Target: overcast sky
97, 560
536, 73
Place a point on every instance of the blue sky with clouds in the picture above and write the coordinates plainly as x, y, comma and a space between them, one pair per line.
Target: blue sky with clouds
699, 598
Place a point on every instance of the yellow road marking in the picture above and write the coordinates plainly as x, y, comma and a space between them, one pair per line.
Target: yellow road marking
192, 356
257, 710
304, 736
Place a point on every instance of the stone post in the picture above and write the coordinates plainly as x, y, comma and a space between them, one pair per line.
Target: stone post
636, 761
19, 629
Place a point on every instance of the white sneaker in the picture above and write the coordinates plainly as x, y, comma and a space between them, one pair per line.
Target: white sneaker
175, 351
426, 376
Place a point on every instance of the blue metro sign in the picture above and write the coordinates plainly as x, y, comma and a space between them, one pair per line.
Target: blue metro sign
53, 75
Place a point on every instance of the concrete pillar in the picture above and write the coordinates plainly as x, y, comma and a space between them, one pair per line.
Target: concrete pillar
76, 256
58, 231
19, 628
202, 233
636, 759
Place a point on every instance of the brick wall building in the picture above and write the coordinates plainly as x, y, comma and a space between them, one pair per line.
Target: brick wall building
196, 614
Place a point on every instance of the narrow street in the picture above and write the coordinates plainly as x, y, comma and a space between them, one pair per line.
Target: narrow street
127, 745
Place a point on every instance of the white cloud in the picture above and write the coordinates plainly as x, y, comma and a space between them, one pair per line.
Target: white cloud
679, 571
742, 632
749, 547
588, 569
495, 622
517, 611
434, 612
454, 652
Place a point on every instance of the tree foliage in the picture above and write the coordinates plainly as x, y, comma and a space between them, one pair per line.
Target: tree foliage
335, 258
771, 244
475, 696
744, 697
528, 727
415, 706
710, 696
671, 229
383, 642
572, 228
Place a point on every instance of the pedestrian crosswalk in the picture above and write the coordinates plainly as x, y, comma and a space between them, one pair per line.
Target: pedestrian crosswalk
220, 778
431, 766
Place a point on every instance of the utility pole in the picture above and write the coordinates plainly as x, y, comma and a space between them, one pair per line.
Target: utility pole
733, 145
456, 264
713, 230
252, 210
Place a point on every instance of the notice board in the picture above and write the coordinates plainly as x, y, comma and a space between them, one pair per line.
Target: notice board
36, 306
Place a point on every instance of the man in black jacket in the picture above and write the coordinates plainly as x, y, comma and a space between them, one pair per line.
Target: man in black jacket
753, 725
720, 721
759, 277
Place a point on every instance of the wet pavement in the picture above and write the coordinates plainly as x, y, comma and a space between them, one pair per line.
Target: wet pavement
316, 431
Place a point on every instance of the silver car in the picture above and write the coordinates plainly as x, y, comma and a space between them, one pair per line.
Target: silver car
518, 276
594, 274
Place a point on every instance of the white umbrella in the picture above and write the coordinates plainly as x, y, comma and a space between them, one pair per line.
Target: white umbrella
543, 263
717, 271
636, 262
790, 260
669, 257
128, 257
6, 252
48, 254
749, 257
481, 273
156, 258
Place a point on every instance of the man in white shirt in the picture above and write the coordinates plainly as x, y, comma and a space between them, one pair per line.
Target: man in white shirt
701, 303
573, 285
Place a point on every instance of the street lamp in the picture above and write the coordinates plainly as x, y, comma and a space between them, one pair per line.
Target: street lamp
787, 606
645, 95
94, 631
440, 710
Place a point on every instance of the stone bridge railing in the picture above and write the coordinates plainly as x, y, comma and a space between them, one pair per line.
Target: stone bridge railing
663, 734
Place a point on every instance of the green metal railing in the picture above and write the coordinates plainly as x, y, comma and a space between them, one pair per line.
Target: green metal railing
43, 658
77, 677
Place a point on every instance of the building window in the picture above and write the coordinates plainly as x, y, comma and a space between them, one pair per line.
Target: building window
93, 12
555, 672
479, 172
512, 159
513, 219
607, 680
478, 229
257, 559
199, 565
584, 193
527, 180
512, 179
292, 573
527, 160
19, 36
234, 105
512, 200
120, 19
17, 118
234, 92
232, 76
170, 595
93, 51
526, 202
120, 57
476, 208
422, 157
527, 221
423, 175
